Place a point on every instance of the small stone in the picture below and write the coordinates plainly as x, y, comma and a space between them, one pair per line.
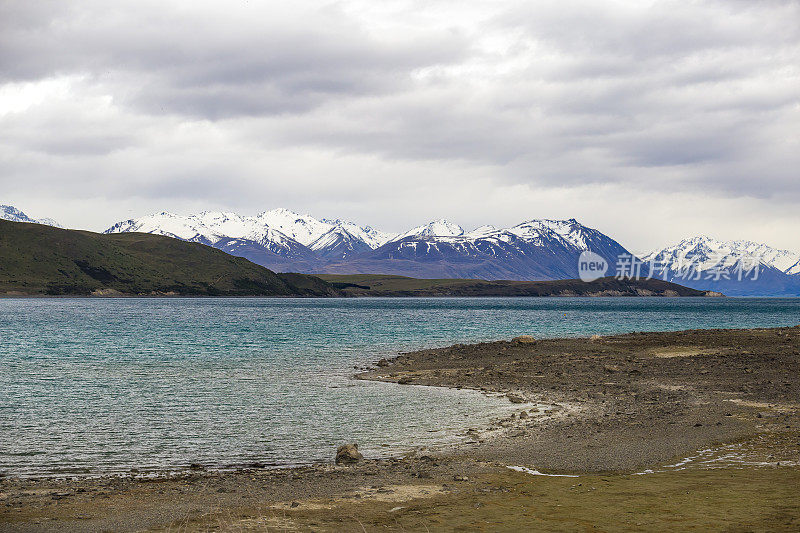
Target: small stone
348, 454
523, 415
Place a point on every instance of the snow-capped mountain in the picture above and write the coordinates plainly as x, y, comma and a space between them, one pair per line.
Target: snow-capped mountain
571, 234
273, 238
210, 226
371, 236
537, 249
301, 228
287, 241
437, 228
9, 212
226, 230
732, 267
339, 243
709, 253
784, 260
532, 250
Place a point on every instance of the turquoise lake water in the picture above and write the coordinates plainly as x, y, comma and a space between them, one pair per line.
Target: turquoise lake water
105, 385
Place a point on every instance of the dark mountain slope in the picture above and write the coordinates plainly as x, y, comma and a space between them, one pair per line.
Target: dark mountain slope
37, 259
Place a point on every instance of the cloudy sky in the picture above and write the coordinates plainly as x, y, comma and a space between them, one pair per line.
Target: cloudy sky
650, 121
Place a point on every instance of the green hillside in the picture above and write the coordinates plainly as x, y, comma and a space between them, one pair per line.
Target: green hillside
387, 285
42, 260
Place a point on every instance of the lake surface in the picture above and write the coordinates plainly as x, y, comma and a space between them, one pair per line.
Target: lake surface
105, 385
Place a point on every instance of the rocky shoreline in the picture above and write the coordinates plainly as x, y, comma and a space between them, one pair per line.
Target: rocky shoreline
711, 412
613, 395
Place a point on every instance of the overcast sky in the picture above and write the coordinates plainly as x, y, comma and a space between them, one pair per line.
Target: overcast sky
651, 121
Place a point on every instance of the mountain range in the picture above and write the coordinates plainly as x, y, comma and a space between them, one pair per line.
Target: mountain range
736, 268
284, 240
538, 249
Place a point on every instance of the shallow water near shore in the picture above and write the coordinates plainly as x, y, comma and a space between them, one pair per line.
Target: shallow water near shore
102, 386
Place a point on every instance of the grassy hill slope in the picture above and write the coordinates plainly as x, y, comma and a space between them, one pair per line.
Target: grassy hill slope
36, 259
387, 285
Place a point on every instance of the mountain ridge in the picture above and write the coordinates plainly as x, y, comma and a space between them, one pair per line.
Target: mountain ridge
724, 265
282, 239
38, 260
536, 249
533, 250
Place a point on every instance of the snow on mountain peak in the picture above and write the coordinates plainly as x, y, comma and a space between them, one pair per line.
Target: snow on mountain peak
211, 226
280, 226
784, 260
444, 228
371, 236
9, 212
437, 228
304, 229
709, 253
482, 231
569, 231
337, 239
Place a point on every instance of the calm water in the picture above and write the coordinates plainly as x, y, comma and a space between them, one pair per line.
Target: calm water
94, 386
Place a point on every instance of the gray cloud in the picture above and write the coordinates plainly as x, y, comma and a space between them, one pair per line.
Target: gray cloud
313, 103
188, 61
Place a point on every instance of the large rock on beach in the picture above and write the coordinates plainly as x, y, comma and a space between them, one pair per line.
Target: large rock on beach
348, 454
524, 339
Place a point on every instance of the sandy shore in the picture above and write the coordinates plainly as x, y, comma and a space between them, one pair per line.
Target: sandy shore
706, 423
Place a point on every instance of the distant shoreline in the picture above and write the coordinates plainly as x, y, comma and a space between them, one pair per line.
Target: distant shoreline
393, 297
390, 286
